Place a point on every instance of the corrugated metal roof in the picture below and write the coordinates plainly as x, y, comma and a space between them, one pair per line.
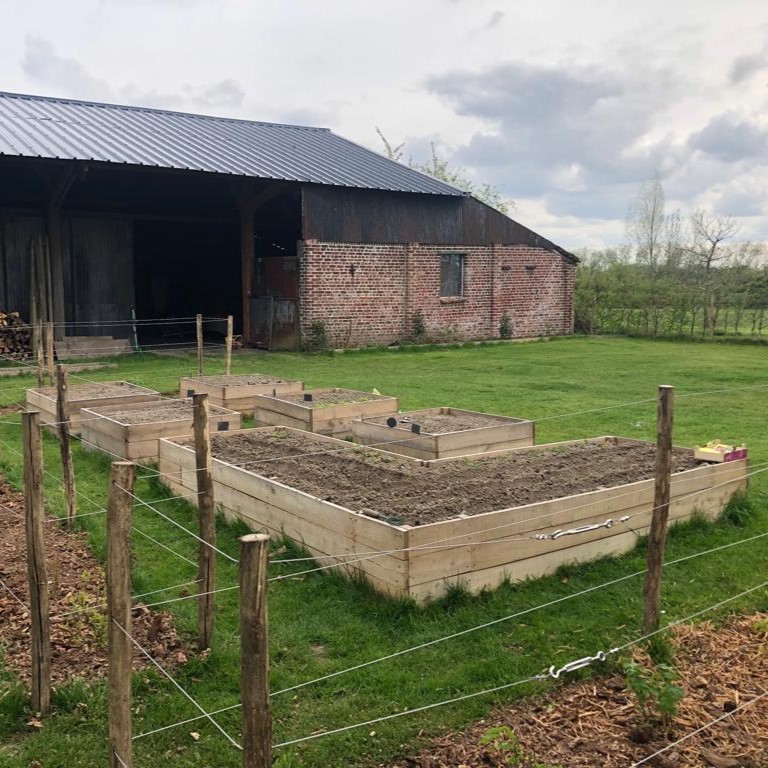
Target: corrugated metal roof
37, 126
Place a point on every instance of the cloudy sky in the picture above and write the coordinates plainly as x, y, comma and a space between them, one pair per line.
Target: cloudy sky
565, 106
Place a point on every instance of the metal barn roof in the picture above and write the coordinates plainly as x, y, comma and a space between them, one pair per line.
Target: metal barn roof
37, 126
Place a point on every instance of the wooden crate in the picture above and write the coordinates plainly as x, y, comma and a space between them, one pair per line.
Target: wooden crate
88, 395
109, 430
235, 392
333, 420
500, 433
422, 562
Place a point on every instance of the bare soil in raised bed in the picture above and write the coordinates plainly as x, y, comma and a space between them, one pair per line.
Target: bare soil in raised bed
162, 410
336, 397
440, 423
95, 390
76, 583
243, 380
597, 722
404, 490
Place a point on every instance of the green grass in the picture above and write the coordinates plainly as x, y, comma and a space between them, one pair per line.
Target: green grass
321, 623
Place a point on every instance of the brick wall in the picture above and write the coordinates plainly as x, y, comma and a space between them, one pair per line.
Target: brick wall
369, 294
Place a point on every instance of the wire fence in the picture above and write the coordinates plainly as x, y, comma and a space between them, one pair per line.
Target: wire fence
554, 672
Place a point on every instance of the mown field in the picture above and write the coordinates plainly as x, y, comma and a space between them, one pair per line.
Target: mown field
321, 623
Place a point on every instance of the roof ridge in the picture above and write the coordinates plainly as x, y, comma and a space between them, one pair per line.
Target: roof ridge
157, 110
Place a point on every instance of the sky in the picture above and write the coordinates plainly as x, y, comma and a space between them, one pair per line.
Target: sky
566, 107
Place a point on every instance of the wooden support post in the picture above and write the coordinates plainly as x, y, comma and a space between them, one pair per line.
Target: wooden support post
119, 516
49, 352
65, 444
254, 636
658, 534
206, 573
228, 352
199, 345
247, 261
36, 570
40, 354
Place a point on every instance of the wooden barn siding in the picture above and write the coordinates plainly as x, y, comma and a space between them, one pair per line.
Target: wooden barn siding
16, 231
342, 215
98, 275
98, 269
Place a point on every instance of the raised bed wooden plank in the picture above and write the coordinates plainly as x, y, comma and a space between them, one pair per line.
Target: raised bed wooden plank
489, 433
88, 395
324, 419
421, 567
238, 392
480, 550
123, 431
374, 534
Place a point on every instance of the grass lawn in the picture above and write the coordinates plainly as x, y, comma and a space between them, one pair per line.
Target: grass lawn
322, 623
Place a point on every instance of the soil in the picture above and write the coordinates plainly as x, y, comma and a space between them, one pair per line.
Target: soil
437, 423
403, 490
598, 723
162, 410
244, 380
329, 397
78, 640
95, 390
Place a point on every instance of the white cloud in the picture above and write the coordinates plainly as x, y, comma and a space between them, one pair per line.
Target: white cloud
567, 107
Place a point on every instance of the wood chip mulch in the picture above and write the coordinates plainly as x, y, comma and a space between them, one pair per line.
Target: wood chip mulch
76, 582
597, 722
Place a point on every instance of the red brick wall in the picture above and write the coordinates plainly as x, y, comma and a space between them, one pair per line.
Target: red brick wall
369, 294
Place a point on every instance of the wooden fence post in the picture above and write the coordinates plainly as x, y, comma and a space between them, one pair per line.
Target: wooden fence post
199, 325
658, 534
40, 354
65, 444
37, 574
228, 350
49, 353
206, 573
254, 650
119, 517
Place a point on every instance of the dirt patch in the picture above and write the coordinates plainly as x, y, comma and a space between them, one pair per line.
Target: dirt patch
402, 490
440, 423
95, 390
78, 635
243, 380
325, 398
162, 410
597, 722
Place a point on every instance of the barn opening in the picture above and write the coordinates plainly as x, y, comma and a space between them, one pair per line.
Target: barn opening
182, 268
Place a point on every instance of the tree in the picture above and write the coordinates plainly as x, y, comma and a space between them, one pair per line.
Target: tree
438, 168
647, 224
709, 232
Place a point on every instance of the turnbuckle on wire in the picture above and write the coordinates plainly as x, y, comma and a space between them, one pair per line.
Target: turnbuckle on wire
572, 666
609, 523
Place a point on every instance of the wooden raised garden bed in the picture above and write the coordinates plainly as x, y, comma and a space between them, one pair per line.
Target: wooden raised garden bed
323, 411
132, 431
415, 528
88, 395
438, 433
238, 392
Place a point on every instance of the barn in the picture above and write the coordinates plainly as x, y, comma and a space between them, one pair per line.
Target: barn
299, 233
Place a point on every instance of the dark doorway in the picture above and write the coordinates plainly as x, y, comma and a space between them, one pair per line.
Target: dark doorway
274, 301
183, 268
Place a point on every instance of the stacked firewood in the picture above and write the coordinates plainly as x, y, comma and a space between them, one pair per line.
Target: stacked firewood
15, 337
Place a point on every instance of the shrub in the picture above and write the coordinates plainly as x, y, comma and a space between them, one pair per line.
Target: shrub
505, 326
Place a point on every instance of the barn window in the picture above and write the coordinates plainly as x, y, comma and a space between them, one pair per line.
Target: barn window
452, 274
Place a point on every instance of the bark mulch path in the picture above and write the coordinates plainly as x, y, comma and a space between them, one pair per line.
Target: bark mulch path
76, 578
597, 722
